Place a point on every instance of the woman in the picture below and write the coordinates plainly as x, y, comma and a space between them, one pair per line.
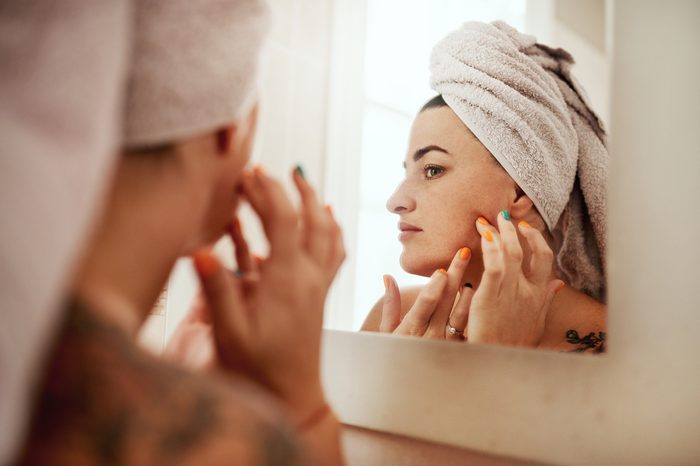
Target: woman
176, 186
504, 197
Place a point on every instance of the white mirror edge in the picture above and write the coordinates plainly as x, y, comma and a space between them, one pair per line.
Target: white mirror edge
638, 404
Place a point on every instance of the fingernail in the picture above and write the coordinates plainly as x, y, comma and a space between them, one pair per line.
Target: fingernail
329, 209
506, 214
205, 263
488, 236
442, 271
468, 285
386, 282
258, 170
483, 221
524, 224
561, 286
464, 252
300, 171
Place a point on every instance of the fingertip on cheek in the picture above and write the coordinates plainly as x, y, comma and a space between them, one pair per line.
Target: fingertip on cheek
205, 263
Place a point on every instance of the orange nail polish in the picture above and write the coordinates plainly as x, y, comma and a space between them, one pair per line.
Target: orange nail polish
524, 224
258, 170
561, 286
443, 271
329, 209
483, 221
386, 282
205, 263
464, 253
488, 236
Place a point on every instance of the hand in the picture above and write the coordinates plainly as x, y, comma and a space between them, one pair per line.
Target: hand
191, 344
269, 328
512, 301
434, 308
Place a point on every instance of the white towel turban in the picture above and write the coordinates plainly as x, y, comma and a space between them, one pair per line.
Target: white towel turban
62, 74
194, 67
520, 100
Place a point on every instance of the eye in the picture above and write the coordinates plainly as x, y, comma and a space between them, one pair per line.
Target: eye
432, 171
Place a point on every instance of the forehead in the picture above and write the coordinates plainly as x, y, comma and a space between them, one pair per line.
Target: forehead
441, 126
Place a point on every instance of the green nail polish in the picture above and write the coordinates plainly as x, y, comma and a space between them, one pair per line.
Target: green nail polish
300, 171
505, 214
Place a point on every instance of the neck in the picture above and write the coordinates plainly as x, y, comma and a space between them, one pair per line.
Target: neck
145, 227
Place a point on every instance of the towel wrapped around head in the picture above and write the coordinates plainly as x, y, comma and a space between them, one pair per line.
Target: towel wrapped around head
520, 100
194, 67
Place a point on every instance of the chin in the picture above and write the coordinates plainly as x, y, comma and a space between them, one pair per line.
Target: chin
419, 264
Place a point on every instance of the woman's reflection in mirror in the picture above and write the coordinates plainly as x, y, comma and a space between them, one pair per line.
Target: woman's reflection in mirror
503, 201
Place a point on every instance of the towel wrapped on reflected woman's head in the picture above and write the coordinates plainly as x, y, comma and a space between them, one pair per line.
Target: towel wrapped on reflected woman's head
520, 100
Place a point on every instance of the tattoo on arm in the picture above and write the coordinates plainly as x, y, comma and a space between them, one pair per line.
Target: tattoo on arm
592, 341
105, 401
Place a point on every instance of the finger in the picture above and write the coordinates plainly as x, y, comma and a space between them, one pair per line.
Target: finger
542, 256
493, 259
460, 314
455, 275
391, 310
269, 201
337, 256
230, 323
198, 311
511, 250
244, 260
258, 260
316, 227
416, 320
554, 287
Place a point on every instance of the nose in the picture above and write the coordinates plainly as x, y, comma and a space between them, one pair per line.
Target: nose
401, 201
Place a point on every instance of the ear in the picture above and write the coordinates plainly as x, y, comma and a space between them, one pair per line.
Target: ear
522, 205
224, 139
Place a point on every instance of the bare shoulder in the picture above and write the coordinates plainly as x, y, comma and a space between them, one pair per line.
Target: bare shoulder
408, 297
578, 324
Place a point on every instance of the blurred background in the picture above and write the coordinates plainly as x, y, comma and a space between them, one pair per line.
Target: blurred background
341, 83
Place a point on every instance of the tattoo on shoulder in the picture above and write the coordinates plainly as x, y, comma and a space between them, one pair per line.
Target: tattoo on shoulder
105, 401
592, 341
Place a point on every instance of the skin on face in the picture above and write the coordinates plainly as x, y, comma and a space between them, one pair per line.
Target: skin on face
233, 148
451, 180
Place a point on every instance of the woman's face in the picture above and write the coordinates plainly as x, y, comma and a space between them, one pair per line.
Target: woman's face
451, 180
226, 178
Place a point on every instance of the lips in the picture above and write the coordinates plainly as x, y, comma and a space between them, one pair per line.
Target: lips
403, 226
407, 231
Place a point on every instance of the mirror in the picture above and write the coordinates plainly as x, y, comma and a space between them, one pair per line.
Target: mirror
395, 85
342, 84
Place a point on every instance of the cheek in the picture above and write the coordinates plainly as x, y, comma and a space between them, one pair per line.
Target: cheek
453, 226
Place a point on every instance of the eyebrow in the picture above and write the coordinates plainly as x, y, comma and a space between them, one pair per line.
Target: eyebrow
417, 155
